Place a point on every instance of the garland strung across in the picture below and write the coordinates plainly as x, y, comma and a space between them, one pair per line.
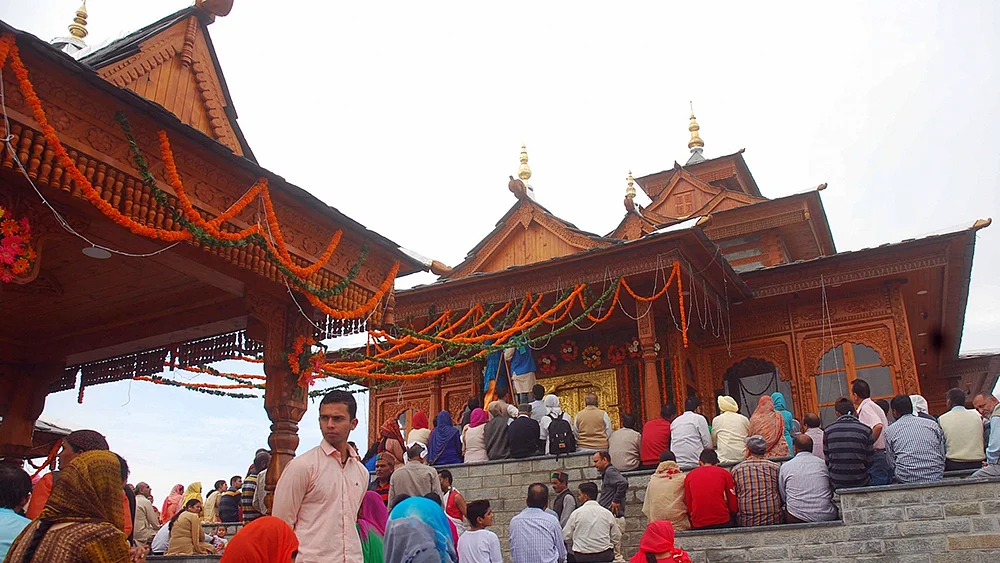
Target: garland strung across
206, 388
194, 226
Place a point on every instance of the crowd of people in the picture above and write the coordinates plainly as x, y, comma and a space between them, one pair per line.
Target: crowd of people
327, 505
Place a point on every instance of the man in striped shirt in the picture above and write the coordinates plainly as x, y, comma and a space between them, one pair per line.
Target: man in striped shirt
914, 446
848, 447
757, 493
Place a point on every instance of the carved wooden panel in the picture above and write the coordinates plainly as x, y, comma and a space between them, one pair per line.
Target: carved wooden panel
904, 347
852, 308
751, 322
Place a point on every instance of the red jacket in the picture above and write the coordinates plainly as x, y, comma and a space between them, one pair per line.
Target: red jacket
655, 440
710, 495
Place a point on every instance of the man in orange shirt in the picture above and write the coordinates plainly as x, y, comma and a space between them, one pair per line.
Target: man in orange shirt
74, 444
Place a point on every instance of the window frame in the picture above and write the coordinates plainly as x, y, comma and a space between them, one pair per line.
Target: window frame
850, 370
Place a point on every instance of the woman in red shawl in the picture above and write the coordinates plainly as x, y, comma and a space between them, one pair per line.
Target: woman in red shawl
657, 545
264, 540
421, 431
769, 424
172, 504
392, 440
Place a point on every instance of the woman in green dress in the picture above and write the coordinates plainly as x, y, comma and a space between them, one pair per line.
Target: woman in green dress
371, 526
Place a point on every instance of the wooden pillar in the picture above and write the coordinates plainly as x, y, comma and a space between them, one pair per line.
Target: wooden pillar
23, 388
277, 324
904, 346
647, 340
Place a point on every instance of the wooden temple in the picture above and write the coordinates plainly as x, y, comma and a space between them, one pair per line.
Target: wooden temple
97, 299
769, 303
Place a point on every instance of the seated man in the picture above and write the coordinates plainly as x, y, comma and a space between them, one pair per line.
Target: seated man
592, 529
665, 494
963, 434
689, 435
656, 436
989, 408
848, 447
914, 447
813, 427
757, 491
625, 444
804, 484
592, 426
523, 434
710, 493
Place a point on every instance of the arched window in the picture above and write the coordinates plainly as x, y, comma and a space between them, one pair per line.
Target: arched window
840, 366
751, 379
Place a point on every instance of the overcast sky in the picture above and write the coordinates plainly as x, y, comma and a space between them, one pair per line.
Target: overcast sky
410, 116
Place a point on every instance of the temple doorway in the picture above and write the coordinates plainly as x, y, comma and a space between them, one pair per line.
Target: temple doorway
572, 389
751, 379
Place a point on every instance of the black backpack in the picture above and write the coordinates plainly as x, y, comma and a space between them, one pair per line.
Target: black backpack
561, 438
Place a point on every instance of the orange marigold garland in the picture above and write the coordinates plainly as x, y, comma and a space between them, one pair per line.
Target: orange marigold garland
306, 363
16, 254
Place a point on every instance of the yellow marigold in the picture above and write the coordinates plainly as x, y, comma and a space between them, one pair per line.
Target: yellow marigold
20, 266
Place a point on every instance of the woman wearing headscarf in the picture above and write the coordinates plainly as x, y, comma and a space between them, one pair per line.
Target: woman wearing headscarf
497, 445
770, 425
186, 534
372, 518
82, 519
786, 416
445, 445
729, 431
418, 533
264, 540
172, 503
421, 429
391, 440
920, 408
657, 545
554, 412
474, 437
193, 492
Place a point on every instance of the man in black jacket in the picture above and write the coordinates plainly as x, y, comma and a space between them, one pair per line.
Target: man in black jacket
523, 434
229, 504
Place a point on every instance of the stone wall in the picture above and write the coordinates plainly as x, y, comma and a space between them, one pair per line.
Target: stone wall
957, 520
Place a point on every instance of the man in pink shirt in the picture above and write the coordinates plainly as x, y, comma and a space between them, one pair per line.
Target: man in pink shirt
874, 417
320, 491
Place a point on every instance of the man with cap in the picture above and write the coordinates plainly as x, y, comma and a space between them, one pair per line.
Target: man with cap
415, 478
74, 444
729, 430
757, 494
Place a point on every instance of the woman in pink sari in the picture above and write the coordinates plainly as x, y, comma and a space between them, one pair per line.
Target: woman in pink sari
172, 504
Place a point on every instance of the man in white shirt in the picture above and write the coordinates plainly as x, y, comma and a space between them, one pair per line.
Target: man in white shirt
874, 417
689, 435
592, 529
538, 409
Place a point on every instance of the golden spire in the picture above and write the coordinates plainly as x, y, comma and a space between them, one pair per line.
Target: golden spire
694, 128
78, 28
524, 172
630, 188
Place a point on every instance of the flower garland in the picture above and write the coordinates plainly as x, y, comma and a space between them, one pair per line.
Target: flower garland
206, 388
277, 254
591, 356
16, 254
569, 350
547, 364
304, 362
616, 354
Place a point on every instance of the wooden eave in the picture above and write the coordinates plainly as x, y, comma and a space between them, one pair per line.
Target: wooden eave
690, 246
513, 225
155, 116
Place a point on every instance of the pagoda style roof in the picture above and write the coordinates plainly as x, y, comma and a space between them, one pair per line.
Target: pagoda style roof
729, 171
176, 51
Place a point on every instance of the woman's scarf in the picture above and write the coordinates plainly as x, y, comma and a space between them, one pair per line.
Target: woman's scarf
266, 539
478, 418
442, 437
919, 404
193, 492
658, 539
770, 425
418, 532
419, 420
171, 504
779, 406
391, 431
728, 404
89, 490
373, 514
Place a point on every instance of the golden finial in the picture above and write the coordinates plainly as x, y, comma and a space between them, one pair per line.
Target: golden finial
694, 128
630, 188
78, 28
524, 172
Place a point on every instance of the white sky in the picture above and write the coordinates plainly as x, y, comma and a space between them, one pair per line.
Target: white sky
409, 118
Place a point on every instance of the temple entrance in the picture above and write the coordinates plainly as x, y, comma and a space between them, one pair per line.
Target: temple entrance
572, 389
751, 379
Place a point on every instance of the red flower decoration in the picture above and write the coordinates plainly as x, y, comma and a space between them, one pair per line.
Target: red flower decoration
616, 354
547, 364
568, 351
592, 356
